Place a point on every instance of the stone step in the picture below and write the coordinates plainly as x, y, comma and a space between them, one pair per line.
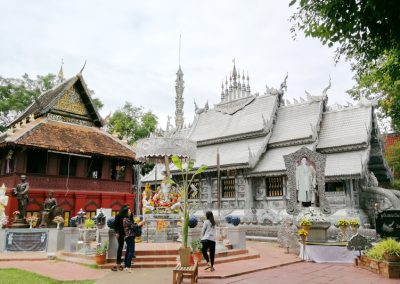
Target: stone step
165, 261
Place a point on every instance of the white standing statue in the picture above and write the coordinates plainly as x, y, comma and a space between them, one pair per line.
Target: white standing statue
305, 181
3, 201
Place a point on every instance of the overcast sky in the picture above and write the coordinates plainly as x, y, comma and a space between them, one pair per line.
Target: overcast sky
131, 48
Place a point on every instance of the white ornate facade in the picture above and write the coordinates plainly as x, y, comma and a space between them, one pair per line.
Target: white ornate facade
253, 132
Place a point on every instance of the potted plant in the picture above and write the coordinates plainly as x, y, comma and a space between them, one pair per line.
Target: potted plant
183, 189
196, 249
343, 224
101, 253
305, 224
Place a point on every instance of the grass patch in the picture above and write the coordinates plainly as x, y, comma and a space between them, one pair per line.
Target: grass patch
18, 276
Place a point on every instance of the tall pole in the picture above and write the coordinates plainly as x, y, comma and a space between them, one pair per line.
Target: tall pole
218, 185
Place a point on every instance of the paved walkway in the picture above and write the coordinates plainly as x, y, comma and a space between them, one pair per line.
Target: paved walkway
275, 265
305, 272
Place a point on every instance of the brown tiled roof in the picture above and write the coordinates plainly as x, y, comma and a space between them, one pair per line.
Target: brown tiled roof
72, 138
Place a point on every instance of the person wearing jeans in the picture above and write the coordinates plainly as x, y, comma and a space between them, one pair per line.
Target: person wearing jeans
120, 235
208, 240
129, 228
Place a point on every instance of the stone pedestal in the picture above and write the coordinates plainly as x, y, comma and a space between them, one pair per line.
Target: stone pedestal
318, 232
71, 238
237, 237
2, 239
113, 242
103, 235
20, 223
55, 241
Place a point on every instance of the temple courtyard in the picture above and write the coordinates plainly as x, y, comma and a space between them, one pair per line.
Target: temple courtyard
273, 266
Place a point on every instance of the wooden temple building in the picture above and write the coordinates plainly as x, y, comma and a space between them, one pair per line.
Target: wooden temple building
59, 144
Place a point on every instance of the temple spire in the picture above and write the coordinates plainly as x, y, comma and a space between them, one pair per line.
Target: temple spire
179, 87
60, 76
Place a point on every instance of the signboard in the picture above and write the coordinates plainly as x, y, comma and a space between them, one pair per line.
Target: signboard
26, 241
388, 223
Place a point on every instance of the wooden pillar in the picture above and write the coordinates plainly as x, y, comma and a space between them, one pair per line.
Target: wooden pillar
20, 161
105, 171
53, 164
128, 172
81, 170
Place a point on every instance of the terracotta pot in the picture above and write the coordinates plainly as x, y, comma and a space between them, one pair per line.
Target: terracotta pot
100, 259
184, 255
391, 257
198, 255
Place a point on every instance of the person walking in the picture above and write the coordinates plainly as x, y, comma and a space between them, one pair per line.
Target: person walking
130, 228
120, 235
208, 240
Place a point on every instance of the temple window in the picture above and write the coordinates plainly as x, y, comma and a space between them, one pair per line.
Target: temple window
95, 167
37, 162
274, 186
334, 186
228, 188
117, 170
68, 165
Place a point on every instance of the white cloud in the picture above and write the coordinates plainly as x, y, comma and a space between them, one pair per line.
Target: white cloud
132, 48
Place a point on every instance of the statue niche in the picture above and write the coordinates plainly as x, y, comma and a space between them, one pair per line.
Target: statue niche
306, 180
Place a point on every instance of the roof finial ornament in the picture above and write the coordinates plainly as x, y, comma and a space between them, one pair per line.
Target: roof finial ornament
60, 76
284, 83
83, 67
179, 59
327, 88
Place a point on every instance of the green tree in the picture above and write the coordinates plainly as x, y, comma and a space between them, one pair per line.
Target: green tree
368, 34
132, 123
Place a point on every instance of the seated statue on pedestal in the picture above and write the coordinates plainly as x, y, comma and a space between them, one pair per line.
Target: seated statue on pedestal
50, 210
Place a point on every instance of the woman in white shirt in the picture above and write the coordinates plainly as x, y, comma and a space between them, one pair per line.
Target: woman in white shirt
208, 240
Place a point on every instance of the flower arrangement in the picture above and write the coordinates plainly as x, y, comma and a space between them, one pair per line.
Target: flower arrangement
89, 224
4, 221
192, 221
305, 222
58, 220
302, 233
342, 223
16, 212
354, 222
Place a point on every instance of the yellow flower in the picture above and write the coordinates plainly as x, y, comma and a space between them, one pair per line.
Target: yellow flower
302, 232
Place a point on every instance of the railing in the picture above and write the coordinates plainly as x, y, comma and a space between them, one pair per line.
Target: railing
63, 183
